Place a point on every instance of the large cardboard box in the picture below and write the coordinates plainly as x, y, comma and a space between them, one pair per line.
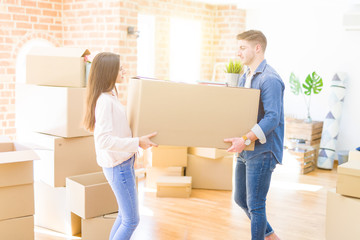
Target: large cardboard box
16, 164
62, 157
90, 195
17, 228
56, 66
354, 155
153, 173
348, 179
171, 186
53, 110
16, 201
191, 115
342, 217
166, 156
210, 173
52, 210
212, 153
98, 228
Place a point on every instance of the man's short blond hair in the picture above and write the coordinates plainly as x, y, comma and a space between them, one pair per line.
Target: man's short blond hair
254, 36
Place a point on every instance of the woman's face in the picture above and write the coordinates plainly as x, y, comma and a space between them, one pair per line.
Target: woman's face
121, 74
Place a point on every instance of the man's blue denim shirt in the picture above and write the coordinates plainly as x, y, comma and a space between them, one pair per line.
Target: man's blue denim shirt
271, 110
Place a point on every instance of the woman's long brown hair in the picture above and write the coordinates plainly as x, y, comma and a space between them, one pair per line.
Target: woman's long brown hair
103, 73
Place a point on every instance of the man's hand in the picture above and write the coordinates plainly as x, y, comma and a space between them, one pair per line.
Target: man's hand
238, 144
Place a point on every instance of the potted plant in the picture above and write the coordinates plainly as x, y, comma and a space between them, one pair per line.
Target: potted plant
232, 72
313, 85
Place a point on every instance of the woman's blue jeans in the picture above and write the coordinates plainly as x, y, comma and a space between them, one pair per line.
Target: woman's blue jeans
252, 181
122, 181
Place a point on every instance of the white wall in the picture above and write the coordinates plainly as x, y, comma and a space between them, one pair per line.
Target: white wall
306, 36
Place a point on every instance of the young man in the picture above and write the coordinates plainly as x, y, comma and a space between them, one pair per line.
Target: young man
254, 168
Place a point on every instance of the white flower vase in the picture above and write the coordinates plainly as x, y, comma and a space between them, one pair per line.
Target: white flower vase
87, 72
232, 79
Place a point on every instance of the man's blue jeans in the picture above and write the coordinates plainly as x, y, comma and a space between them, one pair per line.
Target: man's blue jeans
122, 181
252, 181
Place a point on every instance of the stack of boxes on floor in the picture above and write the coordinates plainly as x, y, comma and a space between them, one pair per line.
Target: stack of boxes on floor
53, 102
303, 142
343, 204
16, 191
205, 168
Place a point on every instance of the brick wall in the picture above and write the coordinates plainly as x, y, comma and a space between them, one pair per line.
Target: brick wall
102, 26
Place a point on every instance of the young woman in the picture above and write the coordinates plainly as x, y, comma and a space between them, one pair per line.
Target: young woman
115, 147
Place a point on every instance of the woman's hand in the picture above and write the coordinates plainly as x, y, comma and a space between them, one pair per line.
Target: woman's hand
145, 142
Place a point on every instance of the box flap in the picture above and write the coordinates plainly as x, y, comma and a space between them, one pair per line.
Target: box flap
59, 51
173, 181
18, 153
350, 168
354, 155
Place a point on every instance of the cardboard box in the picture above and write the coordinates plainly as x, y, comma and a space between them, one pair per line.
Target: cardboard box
53, 110
52, 210
62, 157
17, 228
192, 115
16, 201
342, 217
90, 195
56, 66
354, 155
210, 173
212, 153
16, 164
98, 228
171, 186
166, 156
153, 173
348, 179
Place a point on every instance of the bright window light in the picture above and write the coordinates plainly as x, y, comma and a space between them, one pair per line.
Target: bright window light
185, 39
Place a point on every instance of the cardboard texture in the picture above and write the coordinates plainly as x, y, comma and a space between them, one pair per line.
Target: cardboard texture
354, 155
342, 217
191, 115
98, 228
53, 110
16, 201
166, 156
56, 66
153, 173
17, 228
348, 179
171, 186
62, 157
52, 210
16, 164
212, 153
209, 173
90, 195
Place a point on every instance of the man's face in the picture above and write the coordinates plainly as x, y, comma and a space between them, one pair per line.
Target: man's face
246, 52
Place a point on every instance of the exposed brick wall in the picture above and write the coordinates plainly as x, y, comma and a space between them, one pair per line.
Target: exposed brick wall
21, 21
102, 26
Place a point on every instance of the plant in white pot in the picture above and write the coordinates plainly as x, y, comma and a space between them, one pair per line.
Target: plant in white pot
232, 72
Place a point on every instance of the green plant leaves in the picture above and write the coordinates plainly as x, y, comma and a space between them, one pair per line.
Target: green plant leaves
313, 83
294, 84
234, 67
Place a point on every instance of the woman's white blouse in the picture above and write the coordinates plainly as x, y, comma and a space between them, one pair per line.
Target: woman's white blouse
114, 143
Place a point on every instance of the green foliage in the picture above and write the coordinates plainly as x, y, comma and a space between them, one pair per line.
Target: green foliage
234, 67
313, 83
294, 84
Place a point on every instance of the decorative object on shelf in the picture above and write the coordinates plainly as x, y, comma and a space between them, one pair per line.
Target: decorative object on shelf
313, 84
232, 72
330, 133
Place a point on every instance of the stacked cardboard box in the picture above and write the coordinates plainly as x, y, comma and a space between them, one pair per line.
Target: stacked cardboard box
210, 168
16, 191
343, 205
308, 133
52, 103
